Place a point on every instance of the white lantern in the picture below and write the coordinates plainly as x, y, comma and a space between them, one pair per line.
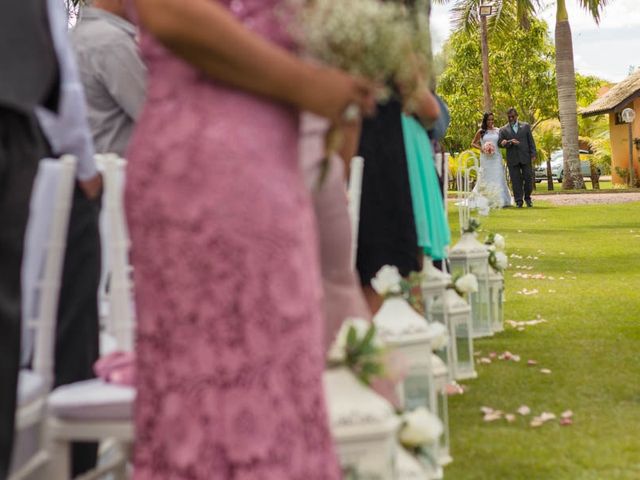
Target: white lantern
410, 468
471, 256
496, 295
434, 283
363, 424
452, 308
441, 407
403, 329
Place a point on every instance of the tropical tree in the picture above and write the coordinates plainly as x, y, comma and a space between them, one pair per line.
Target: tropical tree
525, 84
565, 70
467, 16
548, 139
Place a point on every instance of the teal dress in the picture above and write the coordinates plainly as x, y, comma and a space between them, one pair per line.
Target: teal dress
432, 227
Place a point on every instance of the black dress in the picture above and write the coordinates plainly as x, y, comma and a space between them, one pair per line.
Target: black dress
387, 232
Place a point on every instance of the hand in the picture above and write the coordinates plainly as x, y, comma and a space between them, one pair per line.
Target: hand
350, 140
92, 187
329, 92
504, 143
515, 142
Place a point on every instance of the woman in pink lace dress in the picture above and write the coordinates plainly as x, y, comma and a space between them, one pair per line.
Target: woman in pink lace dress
229, 346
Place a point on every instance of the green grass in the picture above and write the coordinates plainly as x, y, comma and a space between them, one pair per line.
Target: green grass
591, 343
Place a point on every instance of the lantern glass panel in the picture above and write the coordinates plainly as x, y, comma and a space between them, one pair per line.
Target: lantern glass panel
497, 311
464, 367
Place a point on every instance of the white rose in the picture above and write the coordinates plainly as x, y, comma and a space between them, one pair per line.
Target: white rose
439, 336
498, 241
501, 260
467, 283
387, 280
421, 427
337, 352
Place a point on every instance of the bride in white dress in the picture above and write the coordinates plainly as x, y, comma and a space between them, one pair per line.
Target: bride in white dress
492, 181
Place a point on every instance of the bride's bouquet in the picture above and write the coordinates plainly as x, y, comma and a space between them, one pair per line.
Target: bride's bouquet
488, 148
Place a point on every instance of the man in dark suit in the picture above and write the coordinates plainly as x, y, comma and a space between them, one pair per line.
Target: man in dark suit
521, 154
29, 78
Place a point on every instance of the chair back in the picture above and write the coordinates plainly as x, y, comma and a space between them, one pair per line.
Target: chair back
115, 290
355, 193
44, 248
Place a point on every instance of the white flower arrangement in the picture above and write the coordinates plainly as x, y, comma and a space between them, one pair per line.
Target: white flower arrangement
499, 242
338, 350
387, 281
358, 347
440, 336
502, 262
466, 283
421, 428
364, 37
496, 244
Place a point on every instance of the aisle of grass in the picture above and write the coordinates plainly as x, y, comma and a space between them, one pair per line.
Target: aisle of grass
591, 344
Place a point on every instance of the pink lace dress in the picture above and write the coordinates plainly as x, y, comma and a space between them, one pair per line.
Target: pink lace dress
229, 339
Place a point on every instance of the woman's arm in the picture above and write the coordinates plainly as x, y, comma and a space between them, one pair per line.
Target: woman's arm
475, 143
208, 36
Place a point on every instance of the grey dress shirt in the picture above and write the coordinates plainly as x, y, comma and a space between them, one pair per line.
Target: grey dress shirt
113, 76
67, 129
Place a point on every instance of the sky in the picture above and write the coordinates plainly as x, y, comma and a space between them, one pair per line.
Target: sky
606, 50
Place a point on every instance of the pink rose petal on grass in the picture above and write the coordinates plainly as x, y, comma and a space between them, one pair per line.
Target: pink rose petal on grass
524, 410
493, 355
536, 422
510, 417
546, 371
566, 421
516, 358
485, 360
567, 414
520, 329
531, 362
454, 389
492, 417
546, 416
486, 410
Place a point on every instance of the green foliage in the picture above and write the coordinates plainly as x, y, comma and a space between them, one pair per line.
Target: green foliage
522, 75
590, 344
363, 355
548, 138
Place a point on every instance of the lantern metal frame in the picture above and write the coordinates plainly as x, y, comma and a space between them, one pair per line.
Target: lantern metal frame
363, 424
471, 256
496, 296
456, 312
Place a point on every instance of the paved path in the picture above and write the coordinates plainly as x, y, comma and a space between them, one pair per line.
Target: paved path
588, 198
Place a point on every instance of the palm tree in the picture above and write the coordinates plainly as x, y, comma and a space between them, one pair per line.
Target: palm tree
466, 15
565, 70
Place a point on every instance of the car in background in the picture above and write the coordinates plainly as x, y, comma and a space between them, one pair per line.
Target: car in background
557, 167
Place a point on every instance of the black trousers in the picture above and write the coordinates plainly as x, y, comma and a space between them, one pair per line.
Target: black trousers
77, 324
21, 147
521, 181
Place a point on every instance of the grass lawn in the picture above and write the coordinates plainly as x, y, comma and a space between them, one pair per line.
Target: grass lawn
591, 344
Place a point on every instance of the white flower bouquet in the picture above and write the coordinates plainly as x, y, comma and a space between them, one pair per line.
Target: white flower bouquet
420, 428
466, 284
369, 38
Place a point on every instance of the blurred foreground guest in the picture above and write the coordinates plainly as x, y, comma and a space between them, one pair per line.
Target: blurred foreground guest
229, 337
67, 130
29, 78
343, 296
111, 72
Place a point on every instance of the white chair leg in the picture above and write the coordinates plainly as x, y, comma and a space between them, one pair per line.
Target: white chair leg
59, 467
121, 472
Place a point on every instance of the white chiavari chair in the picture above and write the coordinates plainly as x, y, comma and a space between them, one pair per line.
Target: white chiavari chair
45, 241
95, 410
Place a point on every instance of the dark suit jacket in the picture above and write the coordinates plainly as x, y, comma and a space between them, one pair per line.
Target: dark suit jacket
27, 59
518, 153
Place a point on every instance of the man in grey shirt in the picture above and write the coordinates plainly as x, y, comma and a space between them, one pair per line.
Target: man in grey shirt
111, 72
